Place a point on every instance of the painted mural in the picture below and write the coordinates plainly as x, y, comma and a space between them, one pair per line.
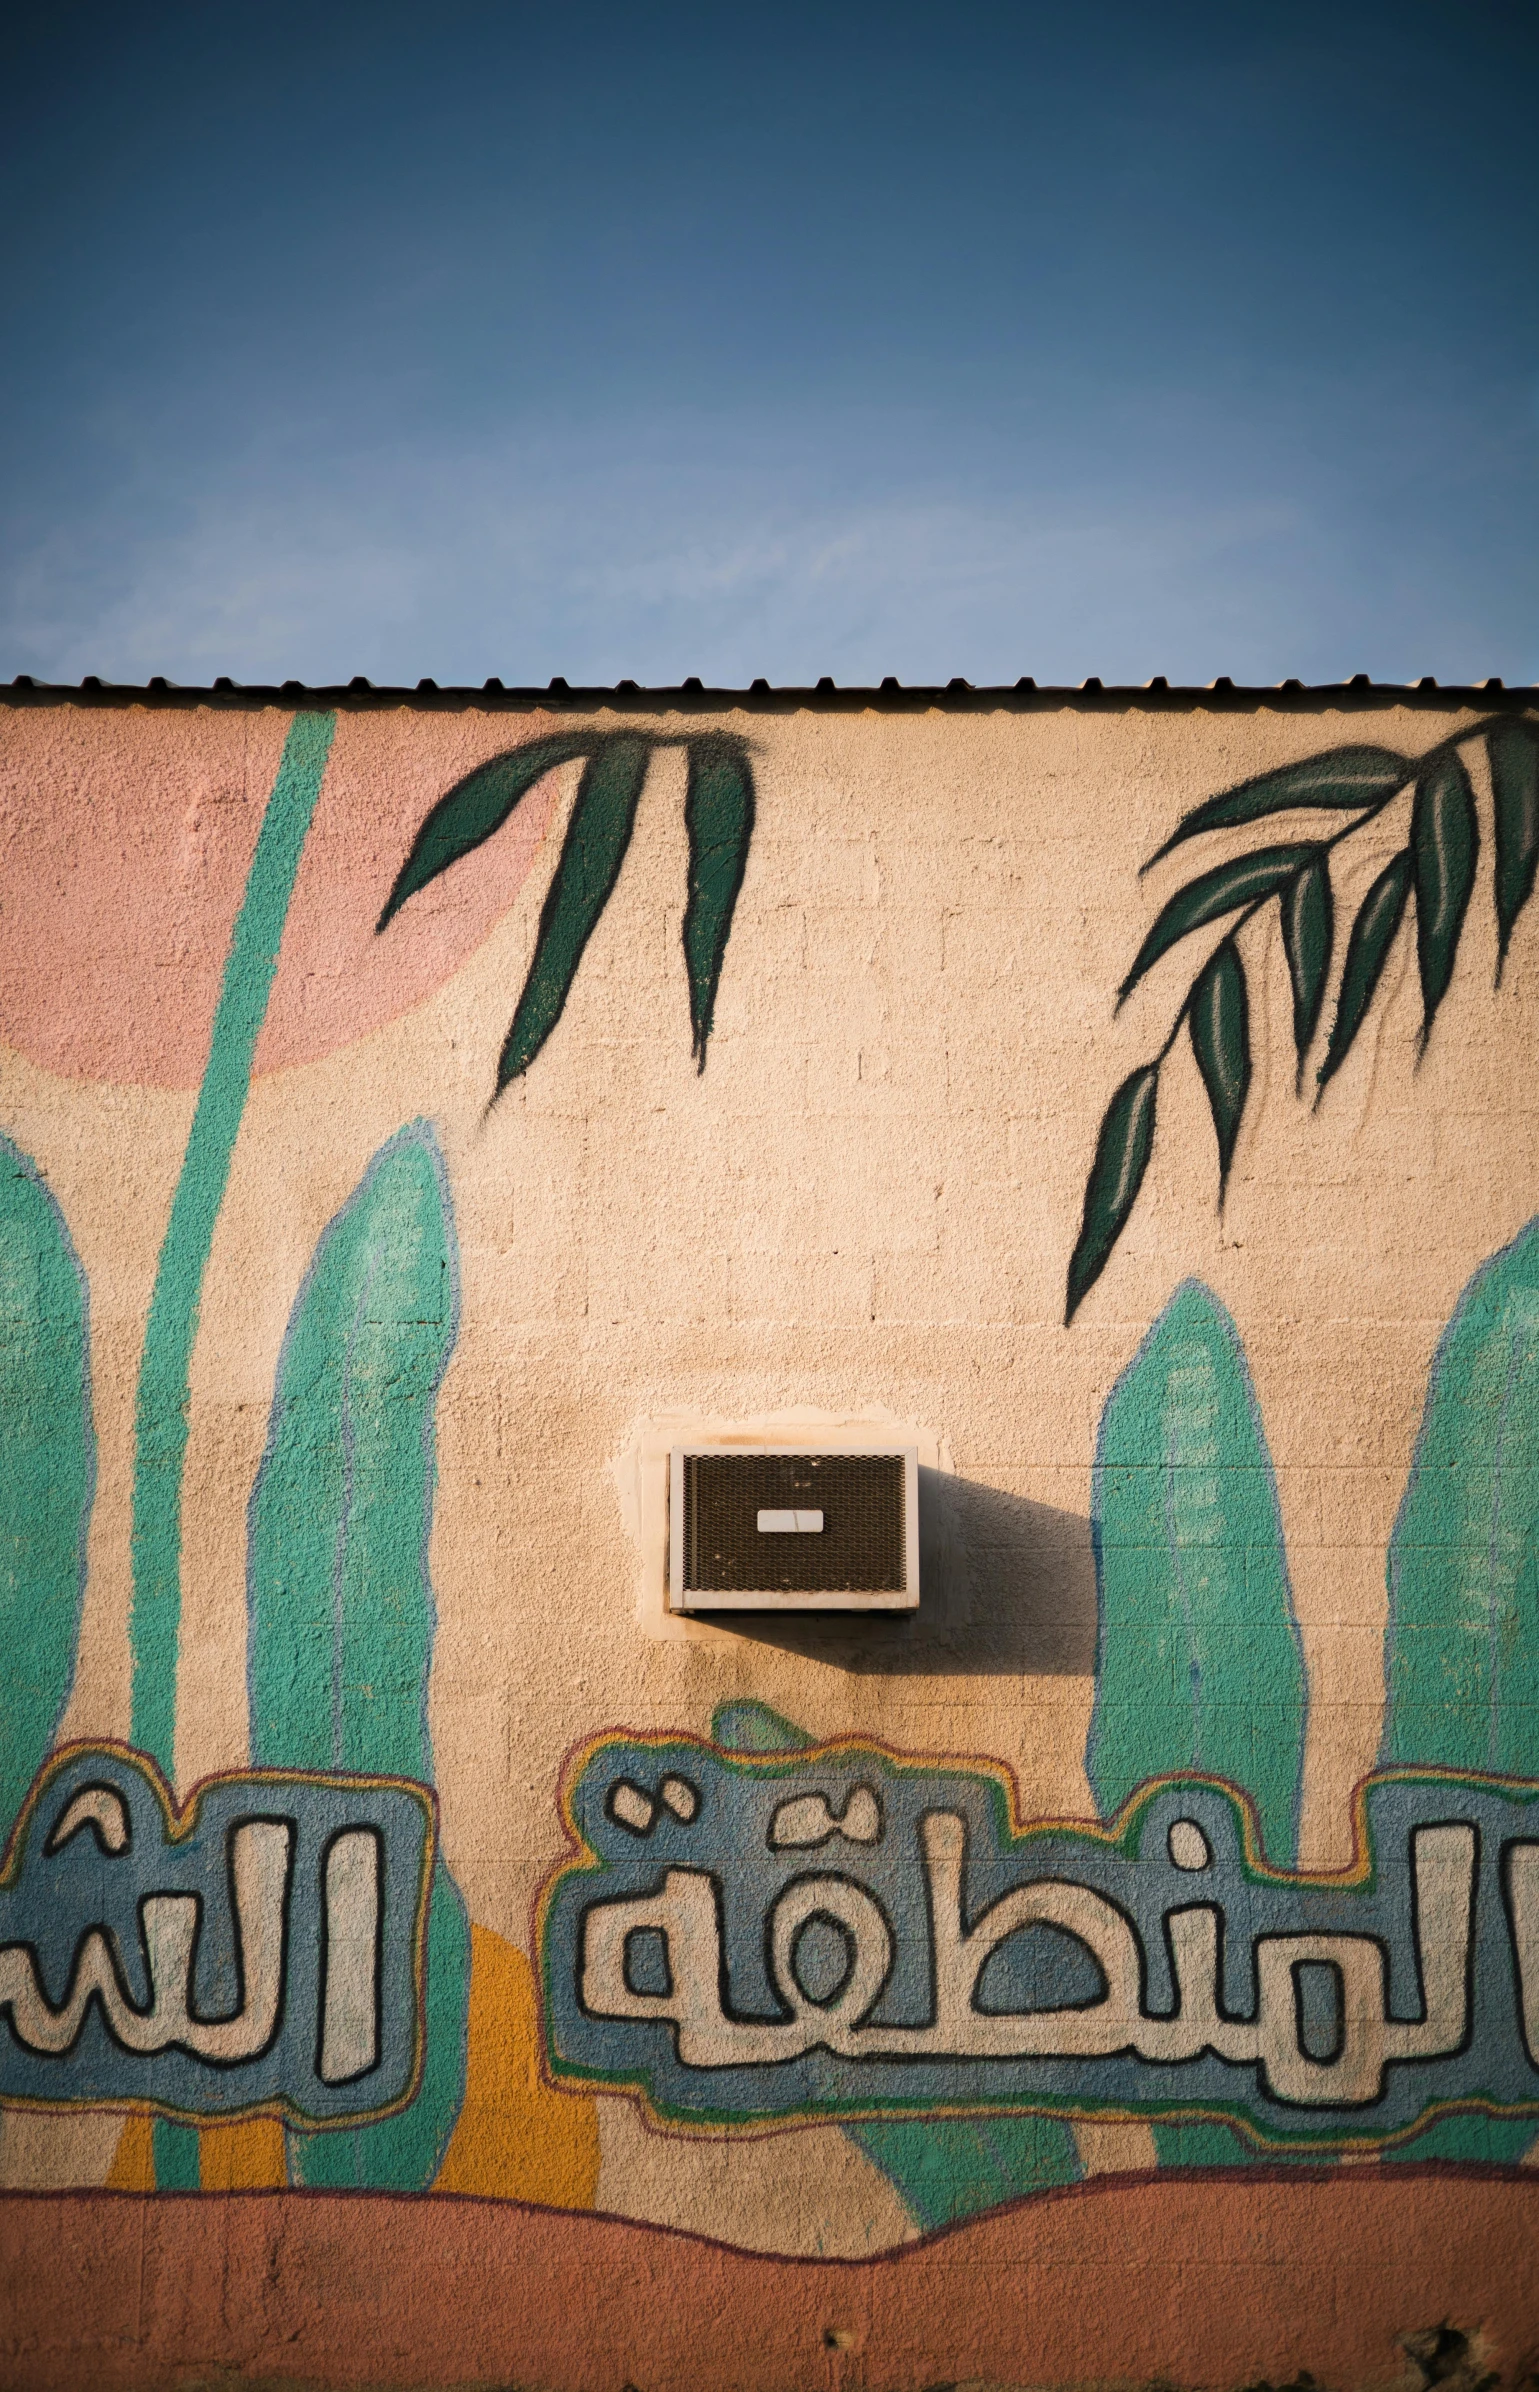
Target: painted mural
709, 1932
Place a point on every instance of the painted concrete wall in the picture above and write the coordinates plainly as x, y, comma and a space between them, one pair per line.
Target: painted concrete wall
415, 1121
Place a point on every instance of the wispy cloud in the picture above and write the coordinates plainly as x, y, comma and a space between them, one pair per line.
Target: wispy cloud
715, 547
602, 342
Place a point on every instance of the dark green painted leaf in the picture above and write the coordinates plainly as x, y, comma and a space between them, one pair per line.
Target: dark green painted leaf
1219, 1021
718, 816
597, 837
1514, 752
1221, 891
1373, 934
1198, 1662
1445, 840
1116, 1175
477, 807
1308, 920
1341, 780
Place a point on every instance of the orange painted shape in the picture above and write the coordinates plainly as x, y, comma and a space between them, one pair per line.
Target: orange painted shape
133, 2162
517, 2137
246, 2157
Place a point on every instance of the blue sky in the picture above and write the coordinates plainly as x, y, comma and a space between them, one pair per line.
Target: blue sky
648, 341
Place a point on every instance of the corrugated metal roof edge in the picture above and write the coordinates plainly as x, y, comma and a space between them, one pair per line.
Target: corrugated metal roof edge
692, 697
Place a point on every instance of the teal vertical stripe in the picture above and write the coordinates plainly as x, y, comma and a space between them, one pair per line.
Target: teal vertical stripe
176, 2157
160, 1424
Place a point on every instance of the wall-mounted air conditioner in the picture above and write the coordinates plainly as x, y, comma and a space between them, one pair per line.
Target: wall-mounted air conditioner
790, 1528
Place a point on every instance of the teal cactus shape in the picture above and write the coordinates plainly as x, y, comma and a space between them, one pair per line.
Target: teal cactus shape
1199, 1663
340, 1601
1462, 1651
47, 1470
1462, 1654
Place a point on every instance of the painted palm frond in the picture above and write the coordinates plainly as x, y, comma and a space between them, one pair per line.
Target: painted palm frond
718, 817
475, 809
598, 834
718, 821
1432, 875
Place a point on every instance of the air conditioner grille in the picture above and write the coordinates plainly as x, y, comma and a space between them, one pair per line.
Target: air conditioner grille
859, 1551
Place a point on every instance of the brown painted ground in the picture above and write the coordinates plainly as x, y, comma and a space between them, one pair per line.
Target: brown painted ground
1211, 2280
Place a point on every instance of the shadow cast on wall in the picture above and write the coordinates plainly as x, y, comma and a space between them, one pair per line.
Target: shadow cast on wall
1007, 1590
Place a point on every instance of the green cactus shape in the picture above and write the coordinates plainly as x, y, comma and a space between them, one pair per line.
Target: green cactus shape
1462, 1653
47, 1470
1199, 1663
1462, 1659
340, 1601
